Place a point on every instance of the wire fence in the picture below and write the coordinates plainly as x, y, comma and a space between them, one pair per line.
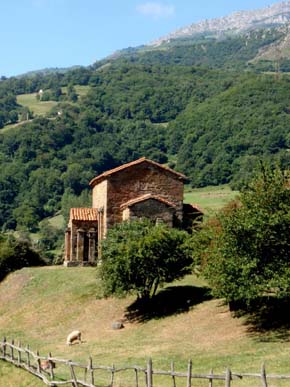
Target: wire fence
59, 372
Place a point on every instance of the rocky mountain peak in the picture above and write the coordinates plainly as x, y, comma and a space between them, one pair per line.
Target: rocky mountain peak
277, 14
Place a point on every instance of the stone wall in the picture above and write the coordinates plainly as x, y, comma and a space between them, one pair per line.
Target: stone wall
100, 201
139, 180
154, 210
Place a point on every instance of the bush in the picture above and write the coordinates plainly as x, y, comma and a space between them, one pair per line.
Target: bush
138, 257
15, 254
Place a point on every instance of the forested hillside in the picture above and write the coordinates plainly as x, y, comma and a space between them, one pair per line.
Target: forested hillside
198, 106
228, 52
226, 136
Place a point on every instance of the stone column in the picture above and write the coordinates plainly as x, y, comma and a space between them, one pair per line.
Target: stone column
73, 243
80, 245
67, 243
92, 245
100, 230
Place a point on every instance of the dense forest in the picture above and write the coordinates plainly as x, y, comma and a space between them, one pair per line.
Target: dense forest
201, 107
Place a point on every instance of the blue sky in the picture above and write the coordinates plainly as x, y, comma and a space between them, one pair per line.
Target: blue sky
36, 34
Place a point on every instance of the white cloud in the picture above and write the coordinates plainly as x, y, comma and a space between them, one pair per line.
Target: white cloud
156, 10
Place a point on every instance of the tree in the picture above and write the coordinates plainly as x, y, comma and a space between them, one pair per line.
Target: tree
70, 200
15, 254
138, 257
71, 93
249, 255
25, 114
26, 217
56, 93
49, 236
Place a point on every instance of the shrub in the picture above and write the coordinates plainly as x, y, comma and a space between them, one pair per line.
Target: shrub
138, 257
15, 254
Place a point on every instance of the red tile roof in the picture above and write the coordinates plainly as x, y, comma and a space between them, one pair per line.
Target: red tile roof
146, 197
86, 214
107, 174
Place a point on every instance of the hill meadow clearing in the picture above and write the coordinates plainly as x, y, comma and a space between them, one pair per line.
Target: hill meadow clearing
41, 108
38, 107
40, 306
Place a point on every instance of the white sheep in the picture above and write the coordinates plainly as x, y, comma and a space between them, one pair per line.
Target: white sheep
74, 336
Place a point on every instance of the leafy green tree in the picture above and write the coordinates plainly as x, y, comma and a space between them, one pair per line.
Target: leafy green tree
249, 256
49, 236
25, 114
138, 257
26, 217
70, 200
15, 254
56, 93
71, 93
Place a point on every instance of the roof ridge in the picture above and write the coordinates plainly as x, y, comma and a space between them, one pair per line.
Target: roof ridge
130, 164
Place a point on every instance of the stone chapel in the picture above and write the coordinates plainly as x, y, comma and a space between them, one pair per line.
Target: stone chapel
141, 188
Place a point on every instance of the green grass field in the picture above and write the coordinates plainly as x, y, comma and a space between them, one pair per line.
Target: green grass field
39, 108
40, 306
6, 128
57, 221
210, 199
10, 376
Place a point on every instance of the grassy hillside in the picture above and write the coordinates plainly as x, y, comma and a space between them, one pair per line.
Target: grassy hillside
210, 199
41, 108
10, 376
41, 306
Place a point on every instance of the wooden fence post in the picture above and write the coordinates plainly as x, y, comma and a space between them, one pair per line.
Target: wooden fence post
264, 376
28, 356
112, 376
12, 349
228, 377
73, 375
173, 376
136, 377
189, 372
149, 373
91, 370
51, 372
19, 353
211, 379
4, 347
38, 362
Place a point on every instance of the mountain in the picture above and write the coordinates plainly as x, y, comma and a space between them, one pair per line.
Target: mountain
212, 105
235, 23
258, 39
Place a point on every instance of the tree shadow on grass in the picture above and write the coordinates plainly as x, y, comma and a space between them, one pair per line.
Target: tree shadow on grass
268, 319
169, 301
